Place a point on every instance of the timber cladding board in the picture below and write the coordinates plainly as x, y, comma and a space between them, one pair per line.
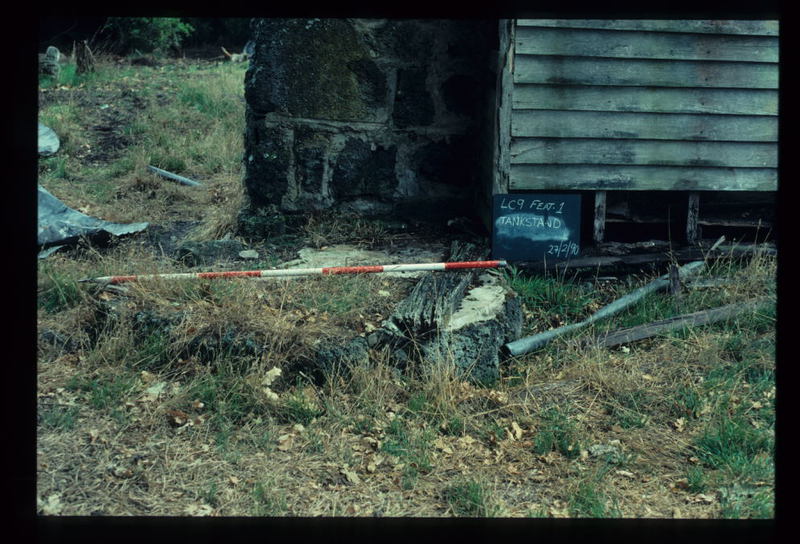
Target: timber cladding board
646, 99
644, 105
655, 126
682, 26
643, 152
640, 178
645, 45
644, 72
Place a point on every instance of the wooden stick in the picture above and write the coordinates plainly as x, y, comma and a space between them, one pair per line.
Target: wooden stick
174, 177
692, 216
703, 317
599, 216
530, 343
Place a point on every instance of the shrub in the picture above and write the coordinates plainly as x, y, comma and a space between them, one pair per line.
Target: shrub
148, 34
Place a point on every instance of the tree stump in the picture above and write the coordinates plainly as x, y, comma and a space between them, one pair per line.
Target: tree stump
444, 320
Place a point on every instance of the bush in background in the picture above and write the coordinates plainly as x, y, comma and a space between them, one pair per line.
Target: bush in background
147, 34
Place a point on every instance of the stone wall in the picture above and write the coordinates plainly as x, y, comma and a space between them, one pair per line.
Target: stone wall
375, 116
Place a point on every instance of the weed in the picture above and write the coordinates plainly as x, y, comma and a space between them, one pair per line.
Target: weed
557, 433
732, 443
316, 443
59, 292
470, 498
59, 417
418, 403
696, 480
413, 448
267, 501
491, 431
687, 401
103, 393
297, 407
455, 426
628, 410
223, 434
589, 501
153, 352
227, 397
210, 494
545, 297
739, 502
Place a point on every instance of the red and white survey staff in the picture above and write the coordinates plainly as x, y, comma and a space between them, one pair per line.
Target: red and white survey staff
326, 271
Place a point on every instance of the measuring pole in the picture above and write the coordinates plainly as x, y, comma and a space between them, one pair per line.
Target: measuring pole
325, 271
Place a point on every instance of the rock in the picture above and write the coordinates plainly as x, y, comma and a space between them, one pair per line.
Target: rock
48, 141
611, 452
313, 68
362, 115
205, 253
333, 357
268, 158
364, 170
413, 102
58, 340
248, 254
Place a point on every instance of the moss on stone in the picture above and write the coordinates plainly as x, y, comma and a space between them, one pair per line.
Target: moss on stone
307, 70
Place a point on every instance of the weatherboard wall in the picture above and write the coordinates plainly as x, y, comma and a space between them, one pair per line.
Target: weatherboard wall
640, 105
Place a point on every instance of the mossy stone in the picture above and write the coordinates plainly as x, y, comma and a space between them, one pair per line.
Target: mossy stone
313, 68
363, 171
413, 103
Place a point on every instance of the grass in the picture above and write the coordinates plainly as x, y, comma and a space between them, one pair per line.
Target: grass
470, 498
697, 404
59, 290
60, 418
589, 501
557, 433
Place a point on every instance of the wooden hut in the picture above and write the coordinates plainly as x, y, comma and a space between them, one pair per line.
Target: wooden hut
613, 107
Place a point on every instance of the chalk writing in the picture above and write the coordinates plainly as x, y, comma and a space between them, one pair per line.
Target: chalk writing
536, 226
563, 250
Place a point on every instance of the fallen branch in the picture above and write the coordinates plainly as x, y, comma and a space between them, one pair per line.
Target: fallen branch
175, 177
703, 317
530, 343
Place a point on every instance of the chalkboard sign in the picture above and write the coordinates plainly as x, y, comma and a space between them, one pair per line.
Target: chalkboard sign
536, 227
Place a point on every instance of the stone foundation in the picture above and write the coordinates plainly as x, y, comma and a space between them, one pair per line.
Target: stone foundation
374, 116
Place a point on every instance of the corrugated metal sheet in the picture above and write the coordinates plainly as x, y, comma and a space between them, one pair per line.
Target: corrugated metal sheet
644, 105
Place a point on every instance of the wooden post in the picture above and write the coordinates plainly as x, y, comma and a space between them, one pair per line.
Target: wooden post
691, 217
84, 59
599, 216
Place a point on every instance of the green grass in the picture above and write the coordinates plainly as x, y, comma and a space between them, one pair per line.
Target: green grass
738, 502
59, 290
590, 501
210, 495
697, 481
470, 498
412, 446
104, 393
734, 445
557, 433
296, 408
267, 501
59, 417
546, 296
630, 409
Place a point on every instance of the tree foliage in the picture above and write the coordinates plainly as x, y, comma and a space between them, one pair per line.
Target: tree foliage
148, 34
